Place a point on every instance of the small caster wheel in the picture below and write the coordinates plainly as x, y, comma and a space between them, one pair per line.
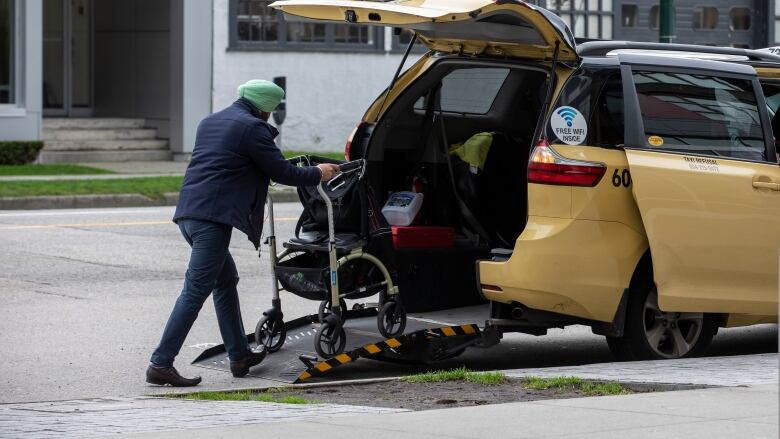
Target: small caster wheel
271, 332
324, 308
331, 338
391, 319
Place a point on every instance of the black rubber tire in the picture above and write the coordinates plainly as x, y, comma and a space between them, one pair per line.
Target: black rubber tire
324, 308
633, 345
272, 332
391, 319
330, 339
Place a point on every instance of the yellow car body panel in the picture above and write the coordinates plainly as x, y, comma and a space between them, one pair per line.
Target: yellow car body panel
713, 230
568, 266
442, 24
580, 248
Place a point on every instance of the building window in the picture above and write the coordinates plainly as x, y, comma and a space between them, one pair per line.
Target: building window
630, 15
255, 25
587, 18
7, 64
739, 19
705, 18
654, 17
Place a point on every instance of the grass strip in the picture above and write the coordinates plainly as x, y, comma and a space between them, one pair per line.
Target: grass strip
459, 374
152, 187
329, 155
574, 383
62, 169
243, 396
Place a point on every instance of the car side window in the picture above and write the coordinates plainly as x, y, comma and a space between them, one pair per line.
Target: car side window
469, 91
700, 114
608, 120
597, 94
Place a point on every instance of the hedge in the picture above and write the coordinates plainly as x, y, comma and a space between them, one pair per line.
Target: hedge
19, 152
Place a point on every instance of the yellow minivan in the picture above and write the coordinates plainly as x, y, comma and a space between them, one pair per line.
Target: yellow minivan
626, 187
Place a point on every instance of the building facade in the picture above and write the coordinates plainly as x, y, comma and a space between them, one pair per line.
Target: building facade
168, 63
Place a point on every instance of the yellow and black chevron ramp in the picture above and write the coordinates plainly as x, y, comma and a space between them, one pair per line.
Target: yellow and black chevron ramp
372, 349
451, 331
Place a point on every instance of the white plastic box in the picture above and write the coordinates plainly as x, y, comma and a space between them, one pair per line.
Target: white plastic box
402, 207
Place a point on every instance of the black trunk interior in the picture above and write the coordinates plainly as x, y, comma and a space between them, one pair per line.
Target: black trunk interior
407, 146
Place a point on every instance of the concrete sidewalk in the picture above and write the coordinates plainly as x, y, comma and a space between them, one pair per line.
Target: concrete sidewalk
739, 412
736, 411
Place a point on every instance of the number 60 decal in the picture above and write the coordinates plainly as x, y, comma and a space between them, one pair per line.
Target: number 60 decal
621, 178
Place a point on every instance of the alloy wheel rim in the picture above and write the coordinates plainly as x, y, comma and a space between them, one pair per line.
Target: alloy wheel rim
670, 334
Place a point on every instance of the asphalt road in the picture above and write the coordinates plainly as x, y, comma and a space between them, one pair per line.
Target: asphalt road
86, 293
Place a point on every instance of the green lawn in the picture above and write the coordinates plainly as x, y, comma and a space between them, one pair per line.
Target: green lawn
152, 187
10, 170
574, 383
329, 155
244, 396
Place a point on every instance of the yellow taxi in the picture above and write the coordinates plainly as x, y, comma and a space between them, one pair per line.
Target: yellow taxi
632, 188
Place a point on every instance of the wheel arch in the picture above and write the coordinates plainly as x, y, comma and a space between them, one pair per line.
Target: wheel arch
616, 328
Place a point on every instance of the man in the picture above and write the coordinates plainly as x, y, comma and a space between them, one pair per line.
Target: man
225, 186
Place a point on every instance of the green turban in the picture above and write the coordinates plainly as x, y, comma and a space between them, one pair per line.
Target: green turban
265, 95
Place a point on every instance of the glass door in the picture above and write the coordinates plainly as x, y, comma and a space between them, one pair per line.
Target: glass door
67, 57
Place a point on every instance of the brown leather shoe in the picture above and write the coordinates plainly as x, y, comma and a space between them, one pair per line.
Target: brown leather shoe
161, 376
241, 367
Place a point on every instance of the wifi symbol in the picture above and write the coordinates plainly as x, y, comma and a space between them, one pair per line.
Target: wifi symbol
568, 114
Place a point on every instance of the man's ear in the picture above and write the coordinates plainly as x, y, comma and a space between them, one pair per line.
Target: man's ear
265, 115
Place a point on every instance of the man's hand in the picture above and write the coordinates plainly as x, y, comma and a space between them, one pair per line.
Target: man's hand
328, 170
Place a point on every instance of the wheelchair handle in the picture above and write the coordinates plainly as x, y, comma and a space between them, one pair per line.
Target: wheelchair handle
352, 166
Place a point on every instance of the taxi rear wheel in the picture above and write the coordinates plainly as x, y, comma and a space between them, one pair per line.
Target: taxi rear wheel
653, 334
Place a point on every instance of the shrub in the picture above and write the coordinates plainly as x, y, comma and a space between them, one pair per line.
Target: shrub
19, 152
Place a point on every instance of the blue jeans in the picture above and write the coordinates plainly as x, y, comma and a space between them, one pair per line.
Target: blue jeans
211, 269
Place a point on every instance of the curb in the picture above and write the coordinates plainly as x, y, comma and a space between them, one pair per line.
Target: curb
117, 200
172, 391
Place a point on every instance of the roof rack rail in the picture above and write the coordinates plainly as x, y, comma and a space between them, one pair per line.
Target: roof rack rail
602, 48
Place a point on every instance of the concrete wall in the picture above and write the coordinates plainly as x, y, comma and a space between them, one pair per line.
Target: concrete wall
191, 68
132, 60
22, 119
327, 93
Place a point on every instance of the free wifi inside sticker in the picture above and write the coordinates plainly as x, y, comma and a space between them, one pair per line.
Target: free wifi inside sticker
569, 125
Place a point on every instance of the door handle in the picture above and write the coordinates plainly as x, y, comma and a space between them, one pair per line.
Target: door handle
766, 185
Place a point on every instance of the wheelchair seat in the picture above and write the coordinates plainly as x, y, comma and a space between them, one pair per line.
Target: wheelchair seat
318, 241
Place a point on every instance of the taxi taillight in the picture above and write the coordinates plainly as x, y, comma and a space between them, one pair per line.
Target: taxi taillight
348, 146
547, 167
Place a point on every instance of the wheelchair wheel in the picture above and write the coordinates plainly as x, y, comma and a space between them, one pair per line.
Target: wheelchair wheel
391, 319
271, 332
331, 338
324, 308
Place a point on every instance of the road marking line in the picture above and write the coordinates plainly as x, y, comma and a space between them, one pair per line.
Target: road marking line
123, 224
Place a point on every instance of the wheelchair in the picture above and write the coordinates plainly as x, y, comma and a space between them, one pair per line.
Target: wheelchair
327, 261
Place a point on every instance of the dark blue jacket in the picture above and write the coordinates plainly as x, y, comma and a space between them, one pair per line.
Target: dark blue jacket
234, 159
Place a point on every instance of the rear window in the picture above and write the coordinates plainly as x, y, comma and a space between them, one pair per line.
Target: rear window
700, 114
469, 91
596, 94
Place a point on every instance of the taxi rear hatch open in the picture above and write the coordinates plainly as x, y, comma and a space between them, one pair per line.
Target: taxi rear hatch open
510, 28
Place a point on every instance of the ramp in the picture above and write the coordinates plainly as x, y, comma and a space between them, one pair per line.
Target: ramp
428, 337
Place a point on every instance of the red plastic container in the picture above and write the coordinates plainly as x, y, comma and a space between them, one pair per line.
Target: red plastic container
423, 237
